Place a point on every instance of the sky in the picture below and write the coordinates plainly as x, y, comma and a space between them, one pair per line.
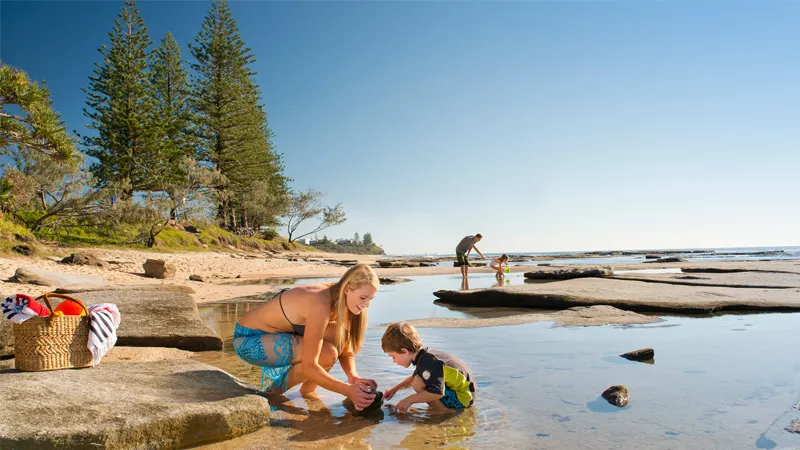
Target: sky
545, 126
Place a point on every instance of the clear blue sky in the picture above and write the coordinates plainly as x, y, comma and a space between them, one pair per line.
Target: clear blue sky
543, 125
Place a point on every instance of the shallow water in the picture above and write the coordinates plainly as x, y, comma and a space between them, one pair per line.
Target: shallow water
717, 382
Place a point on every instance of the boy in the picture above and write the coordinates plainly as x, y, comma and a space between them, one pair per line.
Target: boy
462, 252
441, 380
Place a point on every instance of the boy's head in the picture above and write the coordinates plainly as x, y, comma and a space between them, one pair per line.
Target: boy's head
401, 342
477, 237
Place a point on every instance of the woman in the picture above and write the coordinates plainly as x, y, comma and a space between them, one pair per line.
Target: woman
298, 336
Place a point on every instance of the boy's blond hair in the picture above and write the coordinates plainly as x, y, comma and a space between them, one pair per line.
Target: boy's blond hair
401, 335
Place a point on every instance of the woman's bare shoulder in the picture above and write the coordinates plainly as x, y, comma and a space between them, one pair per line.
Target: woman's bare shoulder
315, 293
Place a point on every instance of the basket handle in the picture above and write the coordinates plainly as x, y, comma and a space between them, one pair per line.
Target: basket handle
47, 296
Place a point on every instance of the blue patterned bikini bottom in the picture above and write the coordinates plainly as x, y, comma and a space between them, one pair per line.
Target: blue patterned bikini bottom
275, 362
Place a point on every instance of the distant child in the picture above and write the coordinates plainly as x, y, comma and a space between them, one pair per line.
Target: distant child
497, 264
462, 252
441, 380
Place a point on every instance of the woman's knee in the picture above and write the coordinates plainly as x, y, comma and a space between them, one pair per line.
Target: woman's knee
328, 355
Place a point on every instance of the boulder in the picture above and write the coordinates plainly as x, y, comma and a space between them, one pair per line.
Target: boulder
153, 318
625, 294
32, 275
567, 273
197, 278
84, 259
393, 280
73, 288
652, 256
158, 268
6, 338
644, 354
666, 260
165, 404
24, 249
617, 395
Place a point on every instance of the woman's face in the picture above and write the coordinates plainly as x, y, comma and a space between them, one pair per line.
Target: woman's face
359, 299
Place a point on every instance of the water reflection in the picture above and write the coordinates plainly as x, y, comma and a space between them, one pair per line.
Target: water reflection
538, 386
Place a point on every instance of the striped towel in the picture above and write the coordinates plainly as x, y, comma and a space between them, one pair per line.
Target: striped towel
20, 307
104, 320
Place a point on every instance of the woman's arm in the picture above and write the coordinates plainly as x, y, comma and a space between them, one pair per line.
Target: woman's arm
316, 323
348, 362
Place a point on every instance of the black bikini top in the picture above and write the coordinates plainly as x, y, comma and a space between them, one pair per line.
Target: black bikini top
298, 329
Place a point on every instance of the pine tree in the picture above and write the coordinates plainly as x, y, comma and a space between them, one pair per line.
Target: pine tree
31, 125
121, 106
235, 136
368, 239
356, 238
169, 79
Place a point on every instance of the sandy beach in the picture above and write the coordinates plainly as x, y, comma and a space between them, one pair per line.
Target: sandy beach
230, 275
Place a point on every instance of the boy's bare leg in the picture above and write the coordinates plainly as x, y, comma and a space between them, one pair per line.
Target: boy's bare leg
435, 406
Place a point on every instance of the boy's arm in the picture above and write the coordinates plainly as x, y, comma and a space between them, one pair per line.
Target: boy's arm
405, 384
419, 397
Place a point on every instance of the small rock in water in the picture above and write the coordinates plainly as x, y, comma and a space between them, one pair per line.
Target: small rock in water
617, 395
376, 404
643, 354
794, 427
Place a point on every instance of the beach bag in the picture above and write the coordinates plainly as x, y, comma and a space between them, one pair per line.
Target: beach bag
52, 342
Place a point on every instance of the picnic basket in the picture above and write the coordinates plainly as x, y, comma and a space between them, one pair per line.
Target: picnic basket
52, 342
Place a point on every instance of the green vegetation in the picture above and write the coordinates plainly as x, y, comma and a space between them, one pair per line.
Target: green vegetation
355, 245
164, 148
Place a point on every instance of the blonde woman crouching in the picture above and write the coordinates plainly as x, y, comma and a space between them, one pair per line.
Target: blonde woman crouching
299, 335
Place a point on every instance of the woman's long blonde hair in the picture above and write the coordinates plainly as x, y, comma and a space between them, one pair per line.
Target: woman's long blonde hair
350, 328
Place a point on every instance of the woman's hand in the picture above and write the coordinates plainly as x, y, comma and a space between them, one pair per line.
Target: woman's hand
365, 381
360, 397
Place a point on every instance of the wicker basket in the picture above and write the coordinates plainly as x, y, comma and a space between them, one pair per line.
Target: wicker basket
53, 342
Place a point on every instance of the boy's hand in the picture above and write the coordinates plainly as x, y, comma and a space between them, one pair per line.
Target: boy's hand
390, 392
403, 405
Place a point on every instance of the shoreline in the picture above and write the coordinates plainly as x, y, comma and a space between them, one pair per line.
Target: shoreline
226, 274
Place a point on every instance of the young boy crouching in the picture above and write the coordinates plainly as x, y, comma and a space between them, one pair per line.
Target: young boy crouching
441, 380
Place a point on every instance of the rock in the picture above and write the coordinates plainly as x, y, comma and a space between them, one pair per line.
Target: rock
158, 268
24, 249
6, 338
75, 288
152, 318
579, 316
472, 264
192, 229
794, 427
84, 259
666, 260
644, 354
385, 264
652, 256
164, 404
625, 294
393, 280
197, 278
566, 273
32, 275
617, 395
